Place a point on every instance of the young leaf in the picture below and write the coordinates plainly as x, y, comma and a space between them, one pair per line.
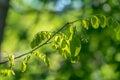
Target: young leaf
24, 63
10, 72
64, 43
11, 60
26, 59
57, 39
95, 22
7, 72
85, 23
24, 66
66, 52
103, 21
48, 35
43, 35
74, 59
117, 32
35, 53
44, 59
71, 32
75, 46
36, 41
39, 37
69, 46
54, 46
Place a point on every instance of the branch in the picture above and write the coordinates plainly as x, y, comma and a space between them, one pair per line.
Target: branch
45, 43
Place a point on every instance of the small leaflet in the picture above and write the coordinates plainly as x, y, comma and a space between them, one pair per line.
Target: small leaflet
95, 22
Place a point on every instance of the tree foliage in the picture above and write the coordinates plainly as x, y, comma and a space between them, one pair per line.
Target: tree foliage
67, 42
88, 46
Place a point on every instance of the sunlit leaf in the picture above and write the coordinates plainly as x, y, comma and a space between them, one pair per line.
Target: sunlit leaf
95, 22
54, 46
7, 72
68, 46
75, 46
36, 41
117, 32
77, 51
35, 53
39, 37
13, 73
64, 43
71, 32
11, 60
43, 35
85, 23
24, 63
44, 58
24, 66
66, 52
57, 39
48, 35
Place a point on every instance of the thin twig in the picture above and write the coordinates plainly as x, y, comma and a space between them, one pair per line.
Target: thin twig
45, 43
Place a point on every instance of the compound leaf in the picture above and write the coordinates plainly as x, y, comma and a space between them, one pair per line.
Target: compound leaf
39, 37
36, 40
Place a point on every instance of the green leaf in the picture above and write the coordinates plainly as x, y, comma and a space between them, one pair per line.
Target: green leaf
60, 51
71, 32
24, 63
11, 60
95, 22
36, 40
39, 37
64, 43
112, 23
55, 46
103, 20
26, 59
24, 66
68, 45
10, 72
44, 58
117, 32
66, 32
43, 35
74, 59
48, 35
109, 22
75, 46
57, 38
35, 53
66, 52
7, 72
85, 23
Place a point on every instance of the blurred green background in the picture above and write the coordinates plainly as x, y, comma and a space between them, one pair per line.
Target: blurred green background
100, 54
